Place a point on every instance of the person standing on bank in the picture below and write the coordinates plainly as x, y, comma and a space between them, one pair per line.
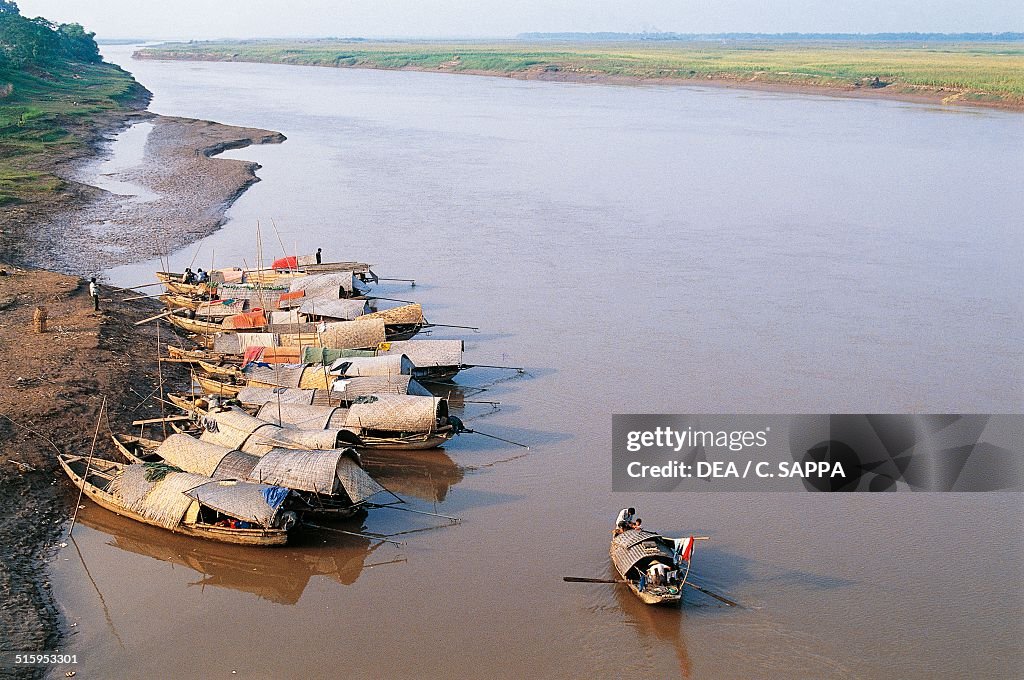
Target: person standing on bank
94, 293
318, 255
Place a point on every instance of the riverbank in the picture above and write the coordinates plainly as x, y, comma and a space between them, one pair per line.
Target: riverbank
189, 190
51, 384
51, 387
973, 74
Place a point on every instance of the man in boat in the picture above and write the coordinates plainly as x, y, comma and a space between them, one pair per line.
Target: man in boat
94, 293
318, 255
201, 276
625, 520
188, 276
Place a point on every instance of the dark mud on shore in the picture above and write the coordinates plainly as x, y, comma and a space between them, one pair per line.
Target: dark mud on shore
51, 387
51, 384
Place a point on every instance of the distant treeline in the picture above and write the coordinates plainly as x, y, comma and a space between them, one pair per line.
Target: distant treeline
789, 37
41, 43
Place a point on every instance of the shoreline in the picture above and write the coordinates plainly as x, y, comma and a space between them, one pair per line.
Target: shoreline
894, 92
193, 189
50, 384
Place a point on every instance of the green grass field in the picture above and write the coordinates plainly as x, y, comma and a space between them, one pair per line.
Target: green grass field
48, 115
983, 72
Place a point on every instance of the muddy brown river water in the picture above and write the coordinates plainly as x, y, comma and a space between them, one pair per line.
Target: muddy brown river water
638, 249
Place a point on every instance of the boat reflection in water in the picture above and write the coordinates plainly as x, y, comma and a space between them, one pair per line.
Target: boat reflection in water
280, 575
655, 626
427, 475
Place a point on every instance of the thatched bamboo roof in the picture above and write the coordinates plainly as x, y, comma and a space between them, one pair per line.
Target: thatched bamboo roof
397, 413
163, 501
405, 314
390, 365
328, 285
342, 310
361, 333
424, 353
241, 500
303, 416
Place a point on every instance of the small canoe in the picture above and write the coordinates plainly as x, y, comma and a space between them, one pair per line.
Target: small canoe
647, 562
197, 355
135, 449
184, 503
173, 283
175, 301
211, 386
221, 372
197, 326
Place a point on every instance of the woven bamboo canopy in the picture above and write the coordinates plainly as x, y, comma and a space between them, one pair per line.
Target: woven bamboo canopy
424, 353
397, 413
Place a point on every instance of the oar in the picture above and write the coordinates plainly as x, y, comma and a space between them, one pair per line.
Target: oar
580, 579
449, 325
146, 285
505, 368
500, 439
154, 318
405, 302
714, 595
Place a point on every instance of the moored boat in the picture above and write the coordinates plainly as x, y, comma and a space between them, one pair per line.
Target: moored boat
183, 502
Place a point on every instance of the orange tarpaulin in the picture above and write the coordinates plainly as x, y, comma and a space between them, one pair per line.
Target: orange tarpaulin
253, 319
286, 263
290, 296
281, 355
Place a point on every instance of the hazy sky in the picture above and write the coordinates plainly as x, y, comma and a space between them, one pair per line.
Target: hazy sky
492, 18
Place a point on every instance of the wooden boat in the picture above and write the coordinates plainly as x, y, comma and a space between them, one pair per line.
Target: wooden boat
176, 301
326, 482
182, 502
637, 553
173, 283
197, 326
197, 355
382, 422
229, 371
135, 449
222, 389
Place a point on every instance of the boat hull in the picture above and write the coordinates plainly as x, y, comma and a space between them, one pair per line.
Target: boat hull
260, 537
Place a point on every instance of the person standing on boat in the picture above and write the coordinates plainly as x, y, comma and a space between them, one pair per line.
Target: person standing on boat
94, 293
625, 519
318, 255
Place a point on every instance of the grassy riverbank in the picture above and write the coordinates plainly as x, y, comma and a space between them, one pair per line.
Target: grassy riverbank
51, 115
56, 98
976, 73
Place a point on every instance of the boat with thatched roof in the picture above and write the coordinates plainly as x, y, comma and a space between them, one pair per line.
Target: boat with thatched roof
330, 482
186, 503
650, 565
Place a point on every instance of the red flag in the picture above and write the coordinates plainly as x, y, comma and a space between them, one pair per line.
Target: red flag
687, 550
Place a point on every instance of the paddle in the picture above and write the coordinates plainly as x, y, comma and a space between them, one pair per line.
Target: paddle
580, 579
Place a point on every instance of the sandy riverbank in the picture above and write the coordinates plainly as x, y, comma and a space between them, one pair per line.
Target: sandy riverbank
192, 189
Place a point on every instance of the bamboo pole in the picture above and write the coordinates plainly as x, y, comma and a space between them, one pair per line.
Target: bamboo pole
88, 464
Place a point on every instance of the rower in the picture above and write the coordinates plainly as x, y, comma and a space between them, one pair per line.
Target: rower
625, 519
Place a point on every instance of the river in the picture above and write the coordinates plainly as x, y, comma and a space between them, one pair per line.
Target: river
637, 249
